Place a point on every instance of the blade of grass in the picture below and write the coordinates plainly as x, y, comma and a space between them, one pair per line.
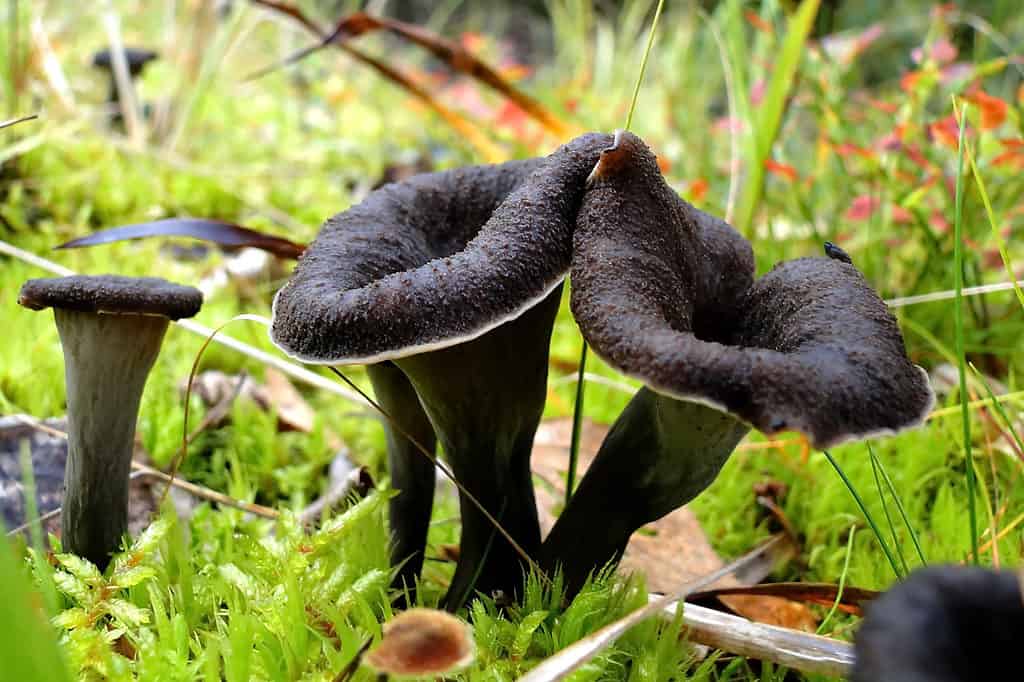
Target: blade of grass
842, 582
958, 320
577, 410
888, 517
864, 510
43, 570
899, 505
1000, 242
999, 408
28, 644
763, 127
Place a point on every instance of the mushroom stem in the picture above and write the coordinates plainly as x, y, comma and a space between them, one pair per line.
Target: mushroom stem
485, 399
659, 455
412, 473
103, 405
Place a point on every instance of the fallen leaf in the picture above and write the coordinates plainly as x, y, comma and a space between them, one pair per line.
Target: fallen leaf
293, 413
782, 170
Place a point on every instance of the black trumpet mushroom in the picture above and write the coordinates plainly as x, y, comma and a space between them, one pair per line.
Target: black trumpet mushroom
943, 624
137, 58
111, 329
666, 294
453, 278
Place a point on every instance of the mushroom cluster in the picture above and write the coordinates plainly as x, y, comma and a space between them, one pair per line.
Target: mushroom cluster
447, 286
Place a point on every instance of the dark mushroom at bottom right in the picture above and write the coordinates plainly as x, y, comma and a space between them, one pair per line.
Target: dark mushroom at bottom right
943, 624
666, 294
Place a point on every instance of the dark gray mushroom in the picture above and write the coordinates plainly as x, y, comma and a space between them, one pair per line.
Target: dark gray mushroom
943, 624
454, 277
665, 293
111, 329
137, 59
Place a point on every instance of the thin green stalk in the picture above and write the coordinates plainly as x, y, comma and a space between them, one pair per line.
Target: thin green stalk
958, 320
763, 125
643, 63
899, 505
994, 226
842, 582
43, 569
867, 515
999, 409
577, 426
888, 517
577, 410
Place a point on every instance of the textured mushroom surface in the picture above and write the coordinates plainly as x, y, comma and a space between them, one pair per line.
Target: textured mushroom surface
943, 624
436, 260
112, 294
664, 294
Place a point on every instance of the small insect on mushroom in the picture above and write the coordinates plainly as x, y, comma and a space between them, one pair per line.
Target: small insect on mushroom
836, 253
422, 642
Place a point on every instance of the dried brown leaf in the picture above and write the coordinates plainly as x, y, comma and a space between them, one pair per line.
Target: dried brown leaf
216, 231
471, 131
293, 412
457, 58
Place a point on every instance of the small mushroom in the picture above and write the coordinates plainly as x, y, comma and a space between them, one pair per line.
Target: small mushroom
137, 59
422, 643
943, 624
111, 328
455, 277
665, 294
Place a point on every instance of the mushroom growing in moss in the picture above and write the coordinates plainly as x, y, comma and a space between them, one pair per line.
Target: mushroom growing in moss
422, 643
136, 58
666, 294
943, 624
454, 277
111, 329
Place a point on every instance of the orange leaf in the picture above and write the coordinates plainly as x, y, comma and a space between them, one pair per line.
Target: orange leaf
993, 110
909, 80
845, 149
697, 190
755, 20
781, 169
945, 131
1012, 158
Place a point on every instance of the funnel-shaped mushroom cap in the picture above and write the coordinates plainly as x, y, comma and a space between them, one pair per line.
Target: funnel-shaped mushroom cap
112, 294
663, 294
136, 57
434, 261
943, 624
